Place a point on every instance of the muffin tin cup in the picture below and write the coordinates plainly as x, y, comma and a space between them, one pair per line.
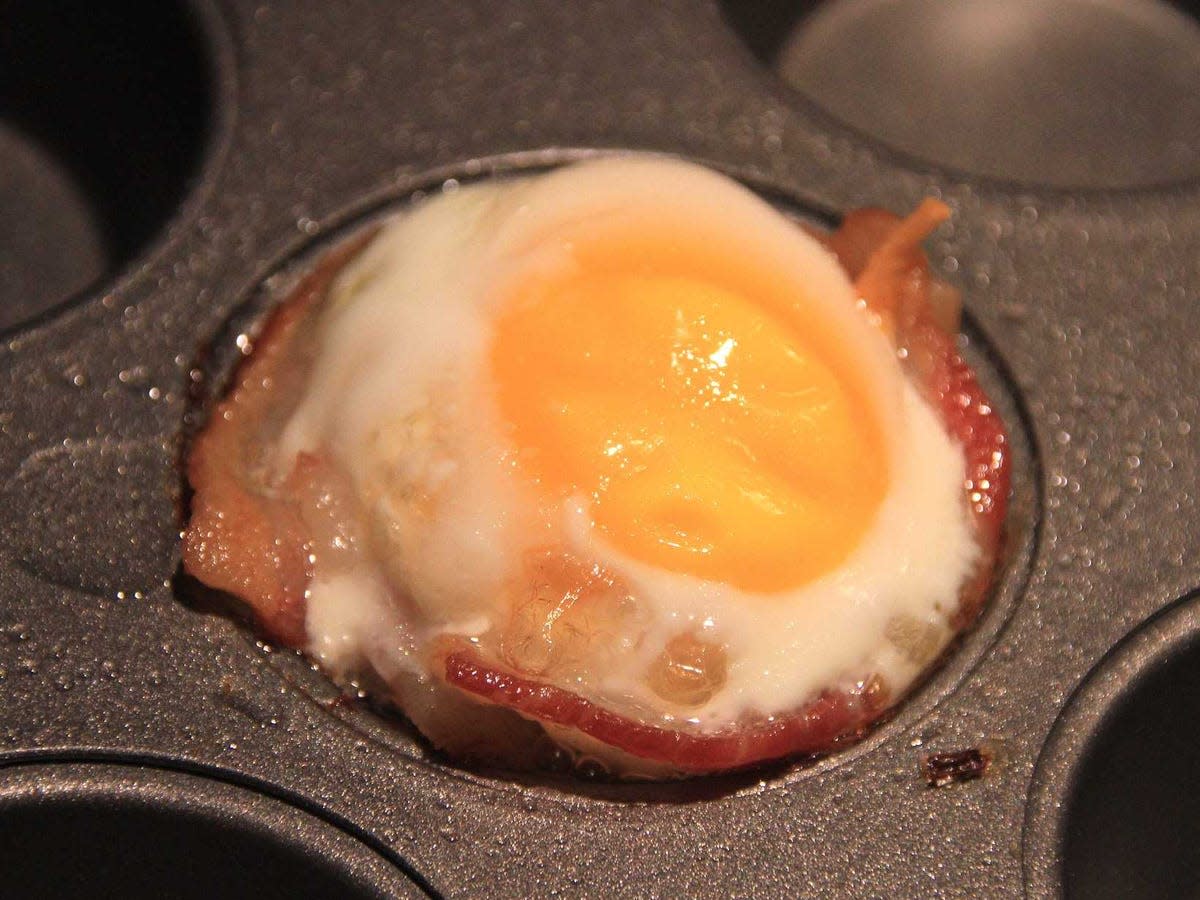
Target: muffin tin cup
317, 121
219, 357
1113, 806
113, 122
123, 830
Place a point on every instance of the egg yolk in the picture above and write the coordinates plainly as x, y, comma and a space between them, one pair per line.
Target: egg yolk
713, 426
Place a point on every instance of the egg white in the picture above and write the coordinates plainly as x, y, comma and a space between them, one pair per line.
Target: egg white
398, 398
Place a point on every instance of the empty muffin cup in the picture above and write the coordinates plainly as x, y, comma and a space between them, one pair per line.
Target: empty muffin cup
90, 830
106, 114
1116, 809
1078, 94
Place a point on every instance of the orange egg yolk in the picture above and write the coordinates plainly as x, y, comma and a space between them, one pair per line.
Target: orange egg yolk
712, 426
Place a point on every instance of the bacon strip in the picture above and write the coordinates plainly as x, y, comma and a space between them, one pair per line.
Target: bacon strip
883, 254
245, 536
816, 729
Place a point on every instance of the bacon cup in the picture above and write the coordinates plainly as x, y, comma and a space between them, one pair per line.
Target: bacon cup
615, 465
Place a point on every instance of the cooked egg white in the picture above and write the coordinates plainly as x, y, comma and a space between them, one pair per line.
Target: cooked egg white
635, 372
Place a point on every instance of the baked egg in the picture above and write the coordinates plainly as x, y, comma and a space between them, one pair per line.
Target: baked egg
617, 456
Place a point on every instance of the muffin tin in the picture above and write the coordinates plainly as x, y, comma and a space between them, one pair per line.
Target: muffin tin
165, 173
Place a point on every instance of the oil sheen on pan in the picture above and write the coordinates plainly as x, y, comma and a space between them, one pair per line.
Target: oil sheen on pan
614, 466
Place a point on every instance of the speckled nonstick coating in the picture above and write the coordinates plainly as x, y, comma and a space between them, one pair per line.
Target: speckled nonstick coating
1081, 321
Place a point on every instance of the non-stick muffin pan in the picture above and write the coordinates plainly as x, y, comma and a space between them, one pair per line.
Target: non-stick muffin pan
166, 170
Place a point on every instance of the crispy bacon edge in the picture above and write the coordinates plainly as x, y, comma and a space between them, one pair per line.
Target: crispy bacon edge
237, 540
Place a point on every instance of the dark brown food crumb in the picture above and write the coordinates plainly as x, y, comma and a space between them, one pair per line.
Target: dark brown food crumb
955, 766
